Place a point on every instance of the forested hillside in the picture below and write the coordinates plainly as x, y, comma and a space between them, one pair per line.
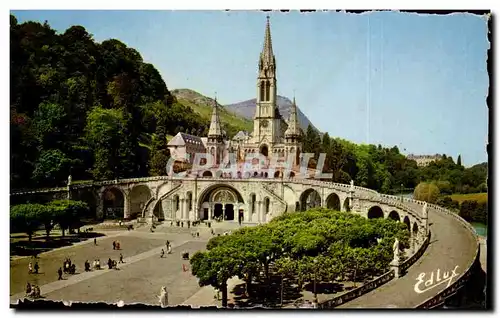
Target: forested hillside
388, 171
94, 110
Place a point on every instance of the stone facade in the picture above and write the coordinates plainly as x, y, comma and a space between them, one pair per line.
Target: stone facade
269, 137
183, 147
424, 160
251, 201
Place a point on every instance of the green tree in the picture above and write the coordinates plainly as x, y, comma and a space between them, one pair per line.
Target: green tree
26, 218
160, 154
52, 167
459, 160
428, 192
105, 133
68, 213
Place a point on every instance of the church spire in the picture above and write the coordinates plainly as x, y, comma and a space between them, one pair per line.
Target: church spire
267, 55
215, 130
293, 122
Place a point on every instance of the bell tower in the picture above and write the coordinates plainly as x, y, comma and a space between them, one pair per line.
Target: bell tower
267, 118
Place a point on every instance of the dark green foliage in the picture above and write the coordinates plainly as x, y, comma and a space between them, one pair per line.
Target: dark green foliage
474, 211
29, 217
65, 88
318, 244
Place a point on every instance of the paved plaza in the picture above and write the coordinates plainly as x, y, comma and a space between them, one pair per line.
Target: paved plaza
138, 280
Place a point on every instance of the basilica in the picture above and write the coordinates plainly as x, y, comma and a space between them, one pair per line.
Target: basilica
269, 137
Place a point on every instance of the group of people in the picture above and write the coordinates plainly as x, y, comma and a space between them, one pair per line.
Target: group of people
116, 245
32, 269
32, 291
69, 268
169, 249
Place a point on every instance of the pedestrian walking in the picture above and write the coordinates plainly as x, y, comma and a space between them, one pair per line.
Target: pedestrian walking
121, 258
30, 268
114, 245
95, 241
60, 272
36, 267
162, 253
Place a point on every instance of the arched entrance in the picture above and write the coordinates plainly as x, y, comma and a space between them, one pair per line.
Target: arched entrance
406, 221
394, 215
375, 212
333, 202
415, 229
113, 203
221, 202
264, 150
139, 195
309, 199
347, 206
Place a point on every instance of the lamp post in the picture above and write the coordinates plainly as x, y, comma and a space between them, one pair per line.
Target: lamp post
281, 303
401, 192
315, 294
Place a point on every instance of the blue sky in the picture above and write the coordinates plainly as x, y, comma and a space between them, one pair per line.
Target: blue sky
416, 81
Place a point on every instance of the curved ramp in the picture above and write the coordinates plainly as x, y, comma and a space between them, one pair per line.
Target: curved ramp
452, 248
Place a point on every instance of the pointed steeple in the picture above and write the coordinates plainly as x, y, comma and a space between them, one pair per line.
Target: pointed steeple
215, 130
293, 121
267, 55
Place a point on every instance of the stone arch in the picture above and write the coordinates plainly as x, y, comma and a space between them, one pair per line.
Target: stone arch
139, 196
209, 192
375, 212
394, 215
113, 203
291, 174
267, 205
347, 206
207, 173
309, 199
252, 201
264, 150
415, 229
189, 200
406, 221
333, 202
277, 174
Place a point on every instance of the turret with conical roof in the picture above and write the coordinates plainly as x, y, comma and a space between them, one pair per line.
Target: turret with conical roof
215, 131
293, 129
215, 140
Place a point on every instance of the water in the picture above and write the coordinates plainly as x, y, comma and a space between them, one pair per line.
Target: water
481, 229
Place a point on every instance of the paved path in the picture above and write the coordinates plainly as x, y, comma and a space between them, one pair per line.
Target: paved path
451, 245
74, 279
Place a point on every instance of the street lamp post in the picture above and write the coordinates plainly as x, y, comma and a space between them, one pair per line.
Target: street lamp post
315, 278
401, 192
281, 303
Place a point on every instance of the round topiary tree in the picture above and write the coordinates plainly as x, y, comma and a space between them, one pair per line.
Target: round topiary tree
426, 191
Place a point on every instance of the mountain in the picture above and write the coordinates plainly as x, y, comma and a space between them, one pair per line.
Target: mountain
202, 105
246, 109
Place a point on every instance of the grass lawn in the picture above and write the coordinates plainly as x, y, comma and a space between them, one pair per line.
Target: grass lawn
479, 197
